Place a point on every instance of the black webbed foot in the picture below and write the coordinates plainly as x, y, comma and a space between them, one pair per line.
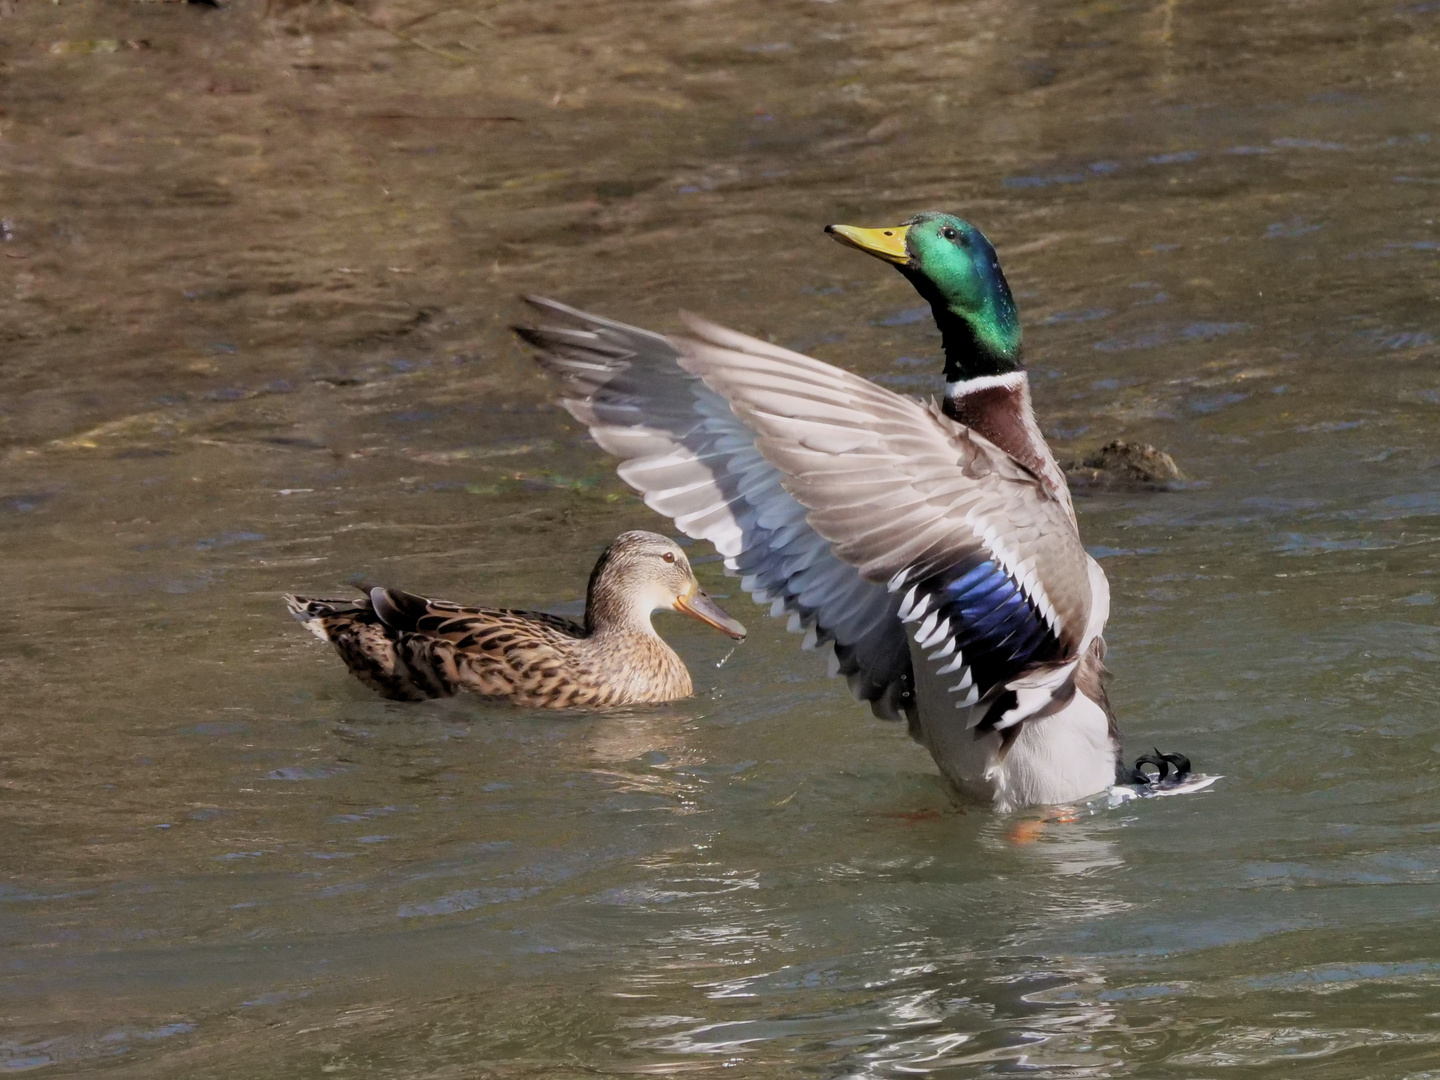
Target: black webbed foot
1181, 763
1173, 767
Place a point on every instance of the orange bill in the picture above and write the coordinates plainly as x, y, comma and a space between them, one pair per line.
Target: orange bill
698, 605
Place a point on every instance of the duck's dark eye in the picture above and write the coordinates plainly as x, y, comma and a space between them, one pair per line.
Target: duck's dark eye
948, 233
669, 556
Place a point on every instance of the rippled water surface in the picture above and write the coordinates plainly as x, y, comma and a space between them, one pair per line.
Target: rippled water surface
255, 280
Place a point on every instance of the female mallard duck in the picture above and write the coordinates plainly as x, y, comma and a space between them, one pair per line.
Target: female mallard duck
933, 547
410, 648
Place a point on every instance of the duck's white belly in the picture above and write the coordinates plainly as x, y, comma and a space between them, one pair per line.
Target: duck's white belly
1059, 758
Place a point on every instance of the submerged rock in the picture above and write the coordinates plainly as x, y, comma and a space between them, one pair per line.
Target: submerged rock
1122, 464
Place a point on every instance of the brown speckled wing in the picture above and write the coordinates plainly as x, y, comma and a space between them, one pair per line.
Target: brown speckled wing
528, 657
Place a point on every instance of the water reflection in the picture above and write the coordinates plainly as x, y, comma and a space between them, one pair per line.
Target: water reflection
933, 992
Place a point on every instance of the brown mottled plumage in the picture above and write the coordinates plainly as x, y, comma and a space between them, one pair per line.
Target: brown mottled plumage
410, 648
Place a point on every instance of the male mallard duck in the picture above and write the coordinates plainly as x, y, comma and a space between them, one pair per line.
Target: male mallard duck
933, 547
410, 648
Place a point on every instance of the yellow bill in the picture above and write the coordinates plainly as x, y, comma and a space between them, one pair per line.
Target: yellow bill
887, 244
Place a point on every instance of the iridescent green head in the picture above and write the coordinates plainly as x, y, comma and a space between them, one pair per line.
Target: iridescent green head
955, 268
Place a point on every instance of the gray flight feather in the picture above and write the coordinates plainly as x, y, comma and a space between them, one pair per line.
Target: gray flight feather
696, 462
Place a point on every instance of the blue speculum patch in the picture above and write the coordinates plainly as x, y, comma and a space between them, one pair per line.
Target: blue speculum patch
997, 628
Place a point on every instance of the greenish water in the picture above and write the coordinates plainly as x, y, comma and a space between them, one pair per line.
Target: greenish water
255, 280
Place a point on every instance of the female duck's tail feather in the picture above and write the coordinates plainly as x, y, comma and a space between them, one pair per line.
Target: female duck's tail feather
398, 664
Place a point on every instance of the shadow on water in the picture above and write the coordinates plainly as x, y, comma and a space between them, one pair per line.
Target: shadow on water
256, 272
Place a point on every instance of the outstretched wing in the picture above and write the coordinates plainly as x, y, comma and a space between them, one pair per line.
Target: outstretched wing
985, 558
696, 462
